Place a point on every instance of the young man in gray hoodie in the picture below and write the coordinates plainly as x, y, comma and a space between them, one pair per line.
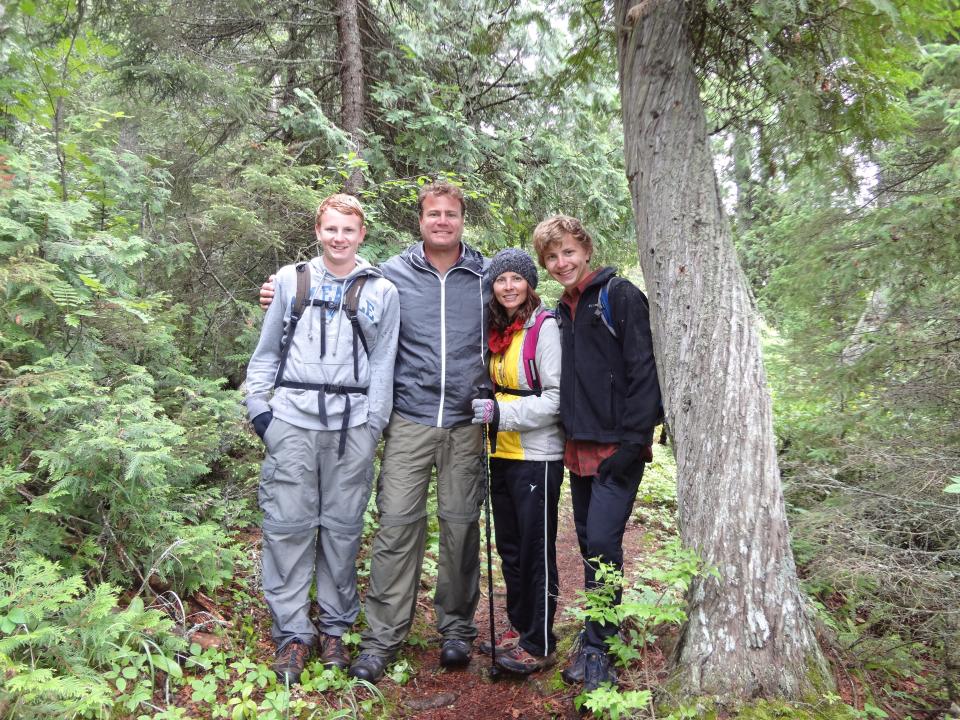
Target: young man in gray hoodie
320, 391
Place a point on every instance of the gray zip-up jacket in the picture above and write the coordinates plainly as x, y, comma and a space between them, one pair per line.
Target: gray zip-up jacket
379, 315
530, 426
442, 353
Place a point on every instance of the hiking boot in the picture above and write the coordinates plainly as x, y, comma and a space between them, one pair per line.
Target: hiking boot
596, 669
454, 653
508, 640
368, 667
518, 660
333, 653
289, 662
573, 673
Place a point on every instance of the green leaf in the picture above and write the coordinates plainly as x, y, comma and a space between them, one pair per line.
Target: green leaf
167, 665
874, 711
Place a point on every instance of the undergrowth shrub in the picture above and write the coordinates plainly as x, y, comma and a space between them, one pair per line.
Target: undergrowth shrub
118, 459
109, 483
59, 642
652, 602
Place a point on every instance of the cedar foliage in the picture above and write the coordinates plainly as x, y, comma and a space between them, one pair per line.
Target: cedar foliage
860, 281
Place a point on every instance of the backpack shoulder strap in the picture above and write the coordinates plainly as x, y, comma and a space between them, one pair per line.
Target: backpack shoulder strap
350, 304
529, 351
606, 315
303, 289
299, 303
606, 304
352, 301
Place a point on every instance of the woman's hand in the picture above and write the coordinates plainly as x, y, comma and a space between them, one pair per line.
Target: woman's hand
483, 411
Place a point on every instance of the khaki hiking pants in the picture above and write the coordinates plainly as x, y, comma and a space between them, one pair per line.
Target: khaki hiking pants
412, 451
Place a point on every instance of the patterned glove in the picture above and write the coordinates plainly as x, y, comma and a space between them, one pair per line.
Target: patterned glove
483, 411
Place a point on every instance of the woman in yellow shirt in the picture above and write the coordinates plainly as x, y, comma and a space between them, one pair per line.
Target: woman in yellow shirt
526, 468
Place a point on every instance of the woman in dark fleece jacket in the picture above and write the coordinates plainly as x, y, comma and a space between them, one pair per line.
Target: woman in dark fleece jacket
609, 406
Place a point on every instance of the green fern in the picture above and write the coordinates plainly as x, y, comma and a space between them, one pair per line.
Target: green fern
57, 639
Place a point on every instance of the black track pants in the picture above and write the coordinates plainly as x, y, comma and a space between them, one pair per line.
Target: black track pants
525, 494
601, 508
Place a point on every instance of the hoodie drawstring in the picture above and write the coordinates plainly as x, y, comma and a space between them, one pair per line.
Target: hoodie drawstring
324, 389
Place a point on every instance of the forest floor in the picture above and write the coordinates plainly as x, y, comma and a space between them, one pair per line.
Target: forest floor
419, 687
436, 694
226, 675
416, 686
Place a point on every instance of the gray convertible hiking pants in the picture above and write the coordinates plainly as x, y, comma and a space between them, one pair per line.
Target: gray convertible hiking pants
313, 507
412, 451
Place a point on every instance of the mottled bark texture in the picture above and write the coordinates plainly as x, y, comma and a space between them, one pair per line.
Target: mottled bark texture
748, 634
351, 82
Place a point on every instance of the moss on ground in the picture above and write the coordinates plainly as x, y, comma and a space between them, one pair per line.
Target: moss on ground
708, 709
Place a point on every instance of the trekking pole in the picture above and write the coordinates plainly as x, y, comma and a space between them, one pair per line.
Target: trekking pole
494, 670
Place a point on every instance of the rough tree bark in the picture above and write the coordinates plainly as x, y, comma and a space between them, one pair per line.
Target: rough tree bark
748, 633
351, 83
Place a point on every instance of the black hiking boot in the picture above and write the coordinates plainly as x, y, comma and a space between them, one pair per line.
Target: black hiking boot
368, 667
455, 653
572, 674
596, 669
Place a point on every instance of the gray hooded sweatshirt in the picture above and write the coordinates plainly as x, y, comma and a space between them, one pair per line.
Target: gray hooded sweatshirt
441, 358
379, 316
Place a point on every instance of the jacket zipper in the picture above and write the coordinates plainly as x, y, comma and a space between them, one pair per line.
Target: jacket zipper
443, 331
443, 346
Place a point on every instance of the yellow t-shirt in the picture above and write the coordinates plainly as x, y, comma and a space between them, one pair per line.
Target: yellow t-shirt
504, 371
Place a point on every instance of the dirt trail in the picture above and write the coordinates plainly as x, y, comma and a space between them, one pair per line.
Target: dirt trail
432, 693
436, 694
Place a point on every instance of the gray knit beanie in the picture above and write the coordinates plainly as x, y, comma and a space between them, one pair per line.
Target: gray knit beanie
511, 260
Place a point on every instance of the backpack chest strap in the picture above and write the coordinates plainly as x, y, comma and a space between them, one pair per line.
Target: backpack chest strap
517, 391
322, 390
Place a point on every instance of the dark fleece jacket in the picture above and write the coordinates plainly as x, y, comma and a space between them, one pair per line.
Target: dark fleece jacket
609, 390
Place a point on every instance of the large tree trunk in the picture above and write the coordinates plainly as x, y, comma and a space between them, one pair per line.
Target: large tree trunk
748, 633
351, 82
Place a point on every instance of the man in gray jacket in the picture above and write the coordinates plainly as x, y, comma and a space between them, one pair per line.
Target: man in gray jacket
320, 391
441, 359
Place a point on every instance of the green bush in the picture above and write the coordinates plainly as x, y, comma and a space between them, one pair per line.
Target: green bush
66, 651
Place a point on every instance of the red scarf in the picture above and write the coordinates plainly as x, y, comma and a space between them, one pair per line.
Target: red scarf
499, 340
